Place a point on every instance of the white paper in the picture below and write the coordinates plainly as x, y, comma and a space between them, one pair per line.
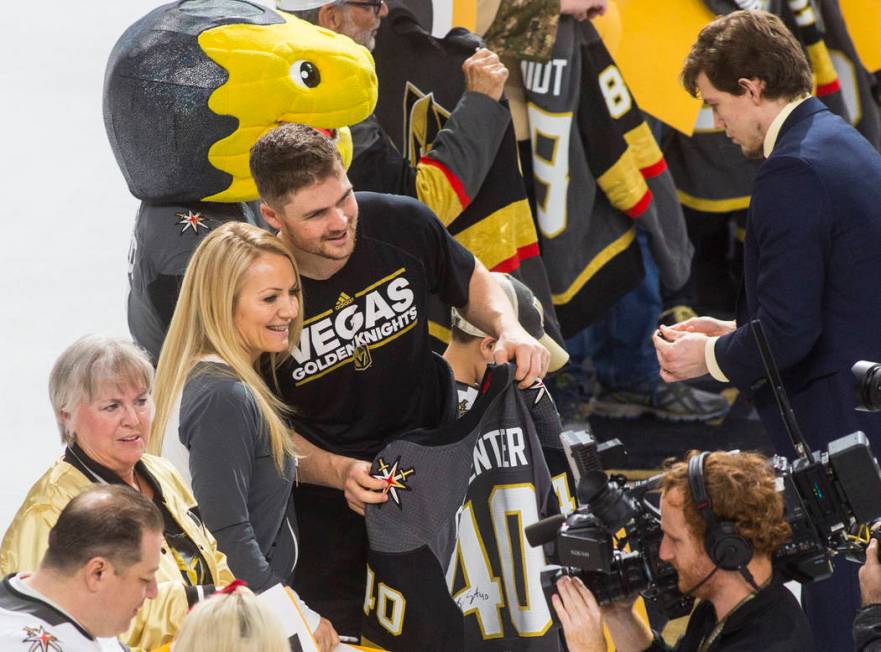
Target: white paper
282, 603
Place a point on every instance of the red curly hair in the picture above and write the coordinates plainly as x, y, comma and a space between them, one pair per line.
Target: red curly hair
741, 487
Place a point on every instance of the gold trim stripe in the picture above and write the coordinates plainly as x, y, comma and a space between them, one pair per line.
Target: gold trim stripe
713, 205
439, 332
598, 262
821, 64
314, 319
643, 146
381, 281
499, 235
623, 183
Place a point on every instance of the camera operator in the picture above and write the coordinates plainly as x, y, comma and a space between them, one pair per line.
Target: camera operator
722, 519
867, 626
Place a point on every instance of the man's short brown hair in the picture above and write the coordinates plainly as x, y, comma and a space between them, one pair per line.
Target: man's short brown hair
105, 521
289, 158
750, 45
742, 489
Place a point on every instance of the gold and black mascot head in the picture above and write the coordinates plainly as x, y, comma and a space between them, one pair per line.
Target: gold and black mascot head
193, 84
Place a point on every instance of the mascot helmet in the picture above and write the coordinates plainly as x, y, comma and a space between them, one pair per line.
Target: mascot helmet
191, 86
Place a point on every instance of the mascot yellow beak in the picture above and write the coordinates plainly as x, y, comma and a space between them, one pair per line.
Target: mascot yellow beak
191, 86
289, 72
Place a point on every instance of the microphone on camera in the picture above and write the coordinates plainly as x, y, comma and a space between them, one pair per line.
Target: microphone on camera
544, 531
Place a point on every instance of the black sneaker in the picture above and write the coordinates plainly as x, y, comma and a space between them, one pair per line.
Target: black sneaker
569, 389
670, 402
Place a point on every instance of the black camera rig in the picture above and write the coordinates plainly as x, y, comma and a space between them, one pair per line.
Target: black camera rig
831, 498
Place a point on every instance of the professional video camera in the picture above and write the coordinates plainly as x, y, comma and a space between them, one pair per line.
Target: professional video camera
830, 499
587, 543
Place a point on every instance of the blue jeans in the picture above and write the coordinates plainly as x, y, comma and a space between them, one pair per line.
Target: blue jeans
620, 344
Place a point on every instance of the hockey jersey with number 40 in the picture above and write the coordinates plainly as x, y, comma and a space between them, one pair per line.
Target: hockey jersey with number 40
449, 567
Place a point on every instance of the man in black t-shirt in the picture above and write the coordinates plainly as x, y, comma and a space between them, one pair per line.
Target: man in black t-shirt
722, 518
363, 371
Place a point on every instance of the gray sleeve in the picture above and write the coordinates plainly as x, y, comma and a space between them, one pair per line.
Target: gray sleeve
219, 425
365, 134
468, 143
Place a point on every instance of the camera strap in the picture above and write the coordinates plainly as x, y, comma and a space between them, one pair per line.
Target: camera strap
717, 629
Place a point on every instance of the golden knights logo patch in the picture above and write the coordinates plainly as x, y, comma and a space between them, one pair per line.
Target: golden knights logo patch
41, 640
423, 119
361, 358
395, 478
191, 220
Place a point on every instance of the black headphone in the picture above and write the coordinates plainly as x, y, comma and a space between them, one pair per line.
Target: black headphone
725, 547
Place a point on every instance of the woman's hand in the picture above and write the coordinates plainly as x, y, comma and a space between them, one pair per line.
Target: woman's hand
326, 636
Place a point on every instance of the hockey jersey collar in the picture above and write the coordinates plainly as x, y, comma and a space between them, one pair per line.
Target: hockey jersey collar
15, 600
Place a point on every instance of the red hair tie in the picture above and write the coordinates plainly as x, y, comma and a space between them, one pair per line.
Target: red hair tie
232, 586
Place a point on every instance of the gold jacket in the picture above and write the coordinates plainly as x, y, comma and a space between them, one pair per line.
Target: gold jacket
159, 619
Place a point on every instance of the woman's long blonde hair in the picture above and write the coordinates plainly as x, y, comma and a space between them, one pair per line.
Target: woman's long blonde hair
203, 325
234, 622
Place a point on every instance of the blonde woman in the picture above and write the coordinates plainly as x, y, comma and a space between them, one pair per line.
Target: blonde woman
233, 621
239, 309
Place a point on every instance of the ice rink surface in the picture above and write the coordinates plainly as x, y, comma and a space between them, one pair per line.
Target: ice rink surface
67, 214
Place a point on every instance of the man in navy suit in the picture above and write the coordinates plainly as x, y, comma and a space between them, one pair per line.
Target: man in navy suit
812, 256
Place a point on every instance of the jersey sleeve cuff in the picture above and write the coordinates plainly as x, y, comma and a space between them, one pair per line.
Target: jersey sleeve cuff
196, 594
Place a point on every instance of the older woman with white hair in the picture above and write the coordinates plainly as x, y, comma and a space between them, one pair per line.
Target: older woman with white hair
100, 389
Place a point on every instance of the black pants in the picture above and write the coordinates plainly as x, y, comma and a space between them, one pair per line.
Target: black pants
831, 605
330, 574
717, 266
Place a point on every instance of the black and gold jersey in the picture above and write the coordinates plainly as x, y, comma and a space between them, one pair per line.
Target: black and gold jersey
457, 149
449, 567
596, 169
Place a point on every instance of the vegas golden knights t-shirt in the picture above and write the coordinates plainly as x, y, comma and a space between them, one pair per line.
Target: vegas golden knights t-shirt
363, 371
